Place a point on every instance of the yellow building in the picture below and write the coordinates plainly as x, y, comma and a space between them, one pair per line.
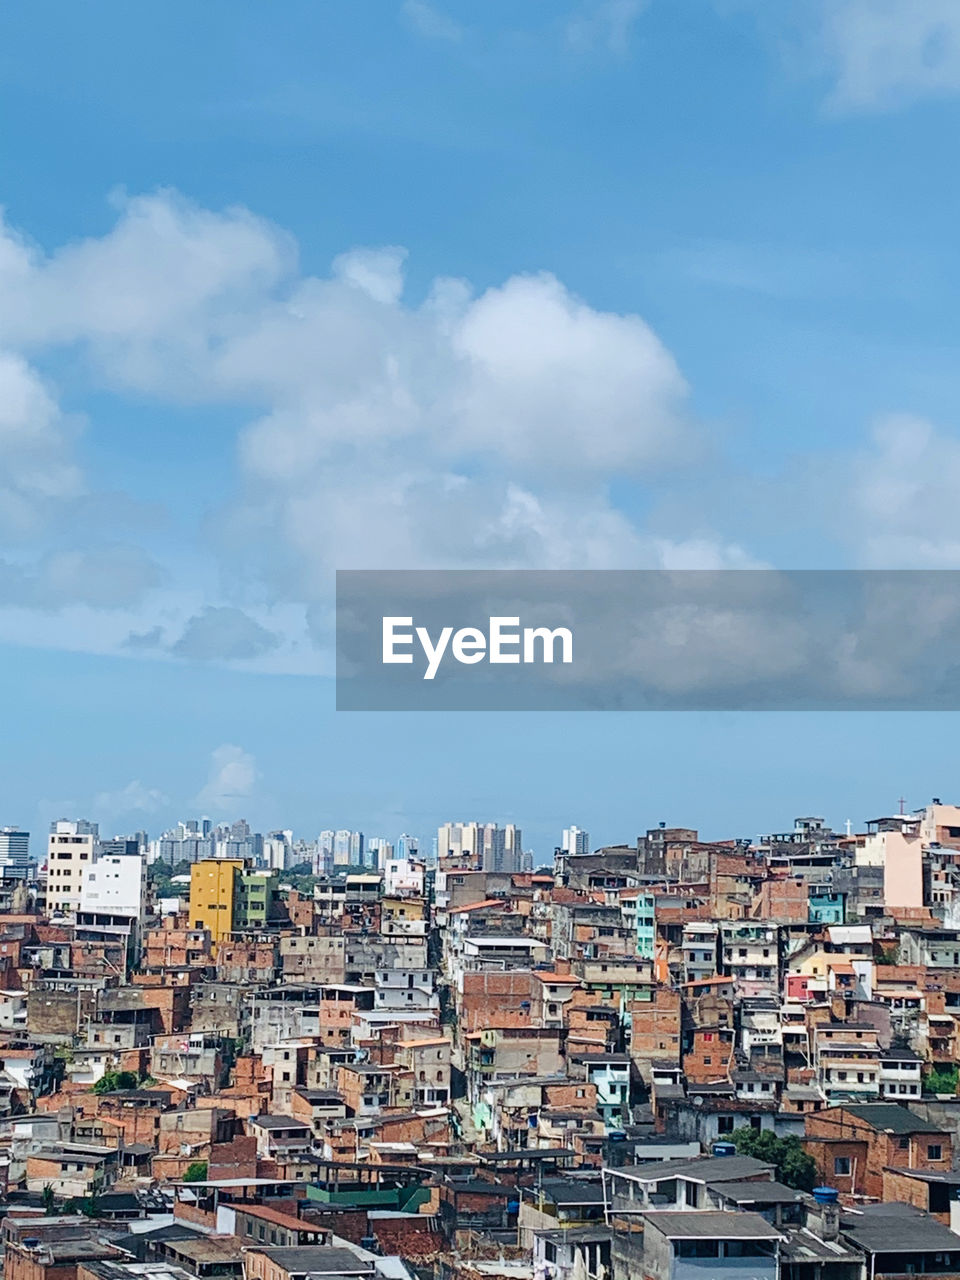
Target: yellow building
213, 890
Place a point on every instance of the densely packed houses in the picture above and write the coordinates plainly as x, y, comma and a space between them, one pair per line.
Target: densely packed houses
674, 1059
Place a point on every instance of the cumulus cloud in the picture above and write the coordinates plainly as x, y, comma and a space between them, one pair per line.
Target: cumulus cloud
233, 776
902, 496
475, 429
156, 292
224, 634
35, 447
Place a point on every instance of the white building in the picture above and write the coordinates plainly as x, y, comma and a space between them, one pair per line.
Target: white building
900, 1075
461, 843
323, 855
379, 852
575, 840
278, 850
403, 876
484, 846
399, 989
71, 850
348, 849
115, 883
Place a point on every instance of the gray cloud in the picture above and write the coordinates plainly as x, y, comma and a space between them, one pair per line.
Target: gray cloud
224, 634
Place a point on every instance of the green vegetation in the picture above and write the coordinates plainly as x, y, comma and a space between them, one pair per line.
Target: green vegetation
942, 1079
111, 1081
161, 877
794, 1167
89, 1206
196, 1172
301, 877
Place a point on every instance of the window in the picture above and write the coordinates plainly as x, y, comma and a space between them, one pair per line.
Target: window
935, 1151
841, 1166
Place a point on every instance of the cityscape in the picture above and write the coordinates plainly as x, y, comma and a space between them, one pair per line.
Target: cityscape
479, 615
280, 1057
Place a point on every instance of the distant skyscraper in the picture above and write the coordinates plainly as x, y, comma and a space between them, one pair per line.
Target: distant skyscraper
188, 841
348, 849
378, 852
460, 844
278, 850
15, 861
486, 847
323, 858
502, 847
407, 847
575, 840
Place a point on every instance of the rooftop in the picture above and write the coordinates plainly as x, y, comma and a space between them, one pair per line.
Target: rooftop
713, 1224
757, 1192
712, 1169
317, 1259
898, 1228
890, 1117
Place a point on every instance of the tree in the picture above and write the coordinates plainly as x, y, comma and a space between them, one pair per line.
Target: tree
942, 1079
196, 1172
795, 1168
49, 1208
111, 1081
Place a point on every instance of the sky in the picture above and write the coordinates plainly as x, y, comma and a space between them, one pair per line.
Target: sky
435, 284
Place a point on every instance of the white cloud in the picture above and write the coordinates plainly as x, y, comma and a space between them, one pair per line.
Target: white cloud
873, 55
552, 381
902, 497
134, 798
377, 272
885, 52
160, 289
36, 466
467, 429
233, 776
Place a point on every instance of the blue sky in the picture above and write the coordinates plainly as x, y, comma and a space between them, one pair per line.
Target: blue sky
585, 284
